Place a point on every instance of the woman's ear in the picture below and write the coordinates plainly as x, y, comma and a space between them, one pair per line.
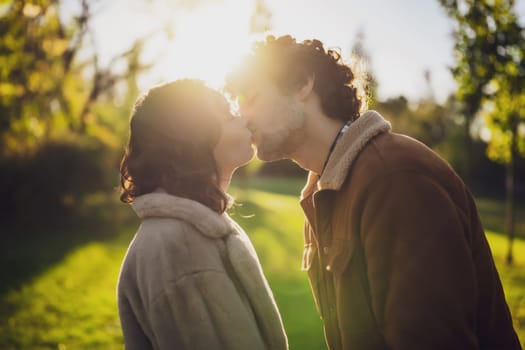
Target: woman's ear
306, 89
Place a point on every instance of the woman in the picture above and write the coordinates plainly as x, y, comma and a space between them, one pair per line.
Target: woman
190, 278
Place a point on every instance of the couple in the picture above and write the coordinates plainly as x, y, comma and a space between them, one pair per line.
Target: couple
394, 248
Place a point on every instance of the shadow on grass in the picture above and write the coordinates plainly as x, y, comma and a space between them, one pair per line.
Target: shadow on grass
30, 248
33, 313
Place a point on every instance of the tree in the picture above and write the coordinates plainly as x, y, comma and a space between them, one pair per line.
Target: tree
427, 121
46, 87
475, 51
36, 53
490, 71
505, 118
57, 144
360, 53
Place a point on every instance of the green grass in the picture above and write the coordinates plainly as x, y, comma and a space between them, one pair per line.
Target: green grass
512, 277
71, 305
68, 302
274, 223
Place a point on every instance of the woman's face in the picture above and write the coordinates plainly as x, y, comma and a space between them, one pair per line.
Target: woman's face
234, 147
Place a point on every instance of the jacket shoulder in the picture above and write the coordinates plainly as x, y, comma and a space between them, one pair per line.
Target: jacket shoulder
166, 249
390, 153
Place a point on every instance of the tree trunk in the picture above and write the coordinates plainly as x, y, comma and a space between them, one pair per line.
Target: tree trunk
467, 170
509, 189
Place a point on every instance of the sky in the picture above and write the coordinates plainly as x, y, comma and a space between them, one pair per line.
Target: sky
403, 38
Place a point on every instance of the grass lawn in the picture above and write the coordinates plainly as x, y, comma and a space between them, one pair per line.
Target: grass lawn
68, 301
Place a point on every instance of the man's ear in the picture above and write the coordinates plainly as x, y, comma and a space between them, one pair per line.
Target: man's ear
306, 89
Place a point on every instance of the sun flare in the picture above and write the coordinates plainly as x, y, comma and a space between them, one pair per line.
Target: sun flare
208, 42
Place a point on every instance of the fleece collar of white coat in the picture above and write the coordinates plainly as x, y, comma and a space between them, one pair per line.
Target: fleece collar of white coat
162, 204
352, 142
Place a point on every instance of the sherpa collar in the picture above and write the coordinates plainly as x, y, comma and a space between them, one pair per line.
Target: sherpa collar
162, 204
370, 124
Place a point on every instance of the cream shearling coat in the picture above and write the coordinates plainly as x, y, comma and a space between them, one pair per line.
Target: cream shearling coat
192, 280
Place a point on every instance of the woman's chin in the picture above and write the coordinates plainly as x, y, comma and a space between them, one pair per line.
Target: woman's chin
247, 158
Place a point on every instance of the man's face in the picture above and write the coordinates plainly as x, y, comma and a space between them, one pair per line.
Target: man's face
276, 120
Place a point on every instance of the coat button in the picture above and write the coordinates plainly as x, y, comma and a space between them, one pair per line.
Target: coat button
326, 250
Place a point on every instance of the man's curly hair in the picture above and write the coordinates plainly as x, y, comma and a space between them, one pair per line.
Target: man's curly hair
290, 64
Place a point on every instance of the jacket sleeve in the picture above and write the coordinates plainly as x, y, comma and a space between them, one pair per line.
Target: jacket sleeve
421, 275
203, 310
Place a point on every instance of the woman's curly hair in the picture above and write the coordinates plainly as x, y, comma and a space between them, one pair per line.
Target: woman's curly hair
290, 64
172, 136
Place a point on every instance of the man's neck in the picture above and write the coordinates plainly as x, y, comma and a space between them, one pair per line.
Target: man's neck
321, 132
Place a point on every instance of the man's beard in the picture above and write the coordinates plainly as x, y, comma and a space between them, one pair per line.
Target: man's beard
283, 143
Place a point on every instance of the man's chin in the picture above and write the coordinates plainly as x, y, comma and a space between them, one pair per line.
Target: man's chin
268, 156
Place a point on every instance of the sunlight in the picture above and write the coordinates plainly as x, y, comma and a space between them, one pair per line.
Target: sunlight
485, 134
208, 42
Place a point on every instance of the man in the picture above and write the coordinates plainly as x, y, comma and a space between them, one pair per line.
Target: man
395, 251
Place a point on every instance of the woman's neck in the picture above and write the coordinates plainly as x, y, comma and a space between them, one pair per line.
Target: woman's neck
226, 178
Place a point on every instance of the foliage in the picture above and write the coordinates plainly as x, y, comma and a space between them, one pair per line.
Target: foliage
475, 48
427, 121
36, 53
503, 116
490, 68
62, 124
487, 49
441, 127
46, 187
50, 74
362, 68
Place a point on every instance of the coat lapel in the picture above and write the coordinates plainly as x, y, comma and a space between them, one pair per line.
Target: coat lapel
360, 132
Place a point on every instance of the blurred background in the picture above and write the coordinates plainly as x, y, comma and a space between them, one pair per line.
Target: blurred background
449, 73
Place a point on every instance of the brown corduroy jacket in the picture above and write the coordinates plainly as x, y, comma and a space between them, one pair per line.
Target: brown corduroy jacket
395, 251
